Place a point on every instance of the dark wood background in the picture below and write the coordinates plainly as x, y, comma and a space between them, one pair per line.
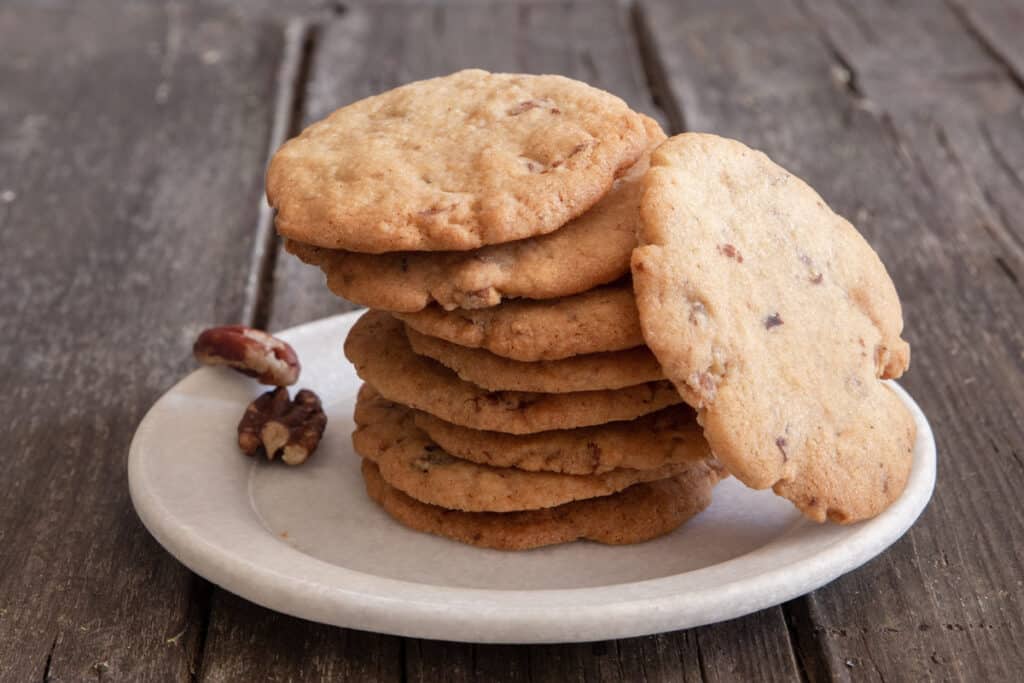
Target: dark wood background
133, 138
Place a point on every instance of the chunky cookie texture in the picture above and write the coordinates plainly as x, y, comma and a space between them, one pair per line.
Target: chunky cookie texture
378, 348
669, 436
590, 372
602, 319
640, 513
591, 250
776, 320
453, 163
412, 463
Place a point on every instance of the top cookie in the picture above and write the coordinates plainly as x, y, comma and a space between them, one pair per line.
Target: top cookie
591, 250
453, 163
775, 319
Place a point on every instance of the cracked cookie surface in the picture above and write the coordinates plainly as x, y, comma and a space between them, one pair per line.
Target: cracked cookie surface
378, 348
591, 250
415, 465
453, 163
776, 320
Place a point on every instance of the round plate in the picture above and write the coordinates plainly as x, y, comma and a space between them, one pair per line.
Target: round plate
308, 541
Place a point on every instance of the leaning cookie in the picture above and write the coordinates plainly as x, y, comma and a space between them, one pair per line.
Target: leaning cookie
377, 346
640, 513
453, 163
669, 436
591, 250
776, 320
412, 463
602, 319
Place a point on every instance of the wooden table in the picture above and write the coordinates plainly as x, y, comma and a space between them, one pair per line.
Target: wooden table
132, 146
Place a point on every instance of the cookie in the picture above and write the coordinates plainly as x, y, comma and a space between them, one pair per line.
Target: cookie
666, 437
603, 319
453, 163
413, 464
640, 513
608, 370
377, 346
775, 319
591, 250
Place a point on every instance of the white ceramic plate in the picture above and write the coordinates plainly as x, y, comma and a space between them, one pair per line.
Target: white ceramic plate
308, 542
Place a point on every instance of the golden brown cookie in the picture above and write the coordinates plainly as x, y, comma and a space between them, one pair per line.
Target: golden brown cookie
602, 319
593, 371
377, 346
775, 319
415, 465
589, 251
456, 162
668, 436
638, 514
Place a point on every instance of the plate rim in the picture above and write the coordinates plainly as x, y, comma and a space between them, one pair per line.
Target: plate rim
509, 615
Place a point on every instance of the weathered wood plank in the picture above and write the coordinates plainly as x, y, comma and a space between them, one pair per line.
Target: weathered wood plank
752, 649
257, 644
954, 104
131, 139
944, 603
998, 25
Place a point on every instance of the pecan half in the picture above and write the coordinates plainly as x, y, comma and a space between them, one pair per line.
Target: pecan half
251, 352
274, 423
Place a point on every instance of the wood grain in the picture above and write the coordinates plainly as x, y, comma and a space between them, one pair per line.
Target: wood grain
257, 644
131, 139
942, 603
997, 25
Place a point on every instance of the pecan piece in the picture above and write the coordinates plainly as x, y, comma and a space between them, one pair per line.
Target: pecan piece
274, 423
730, 251
251, 352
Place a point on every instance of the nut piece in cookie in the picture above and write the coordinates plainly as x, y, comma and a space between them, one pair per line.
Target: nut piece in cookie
273, 424
251, 352
453, 163
777, 321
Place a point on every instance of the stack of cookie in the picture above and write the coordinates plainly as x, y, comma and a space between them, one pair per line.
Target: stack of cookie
489, 220
551, 280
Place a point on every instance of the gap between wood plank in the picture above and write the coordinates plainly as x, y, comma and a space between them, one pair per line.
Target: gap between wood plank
300, 42
654, 71
201, 600
49, 659
293, 72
